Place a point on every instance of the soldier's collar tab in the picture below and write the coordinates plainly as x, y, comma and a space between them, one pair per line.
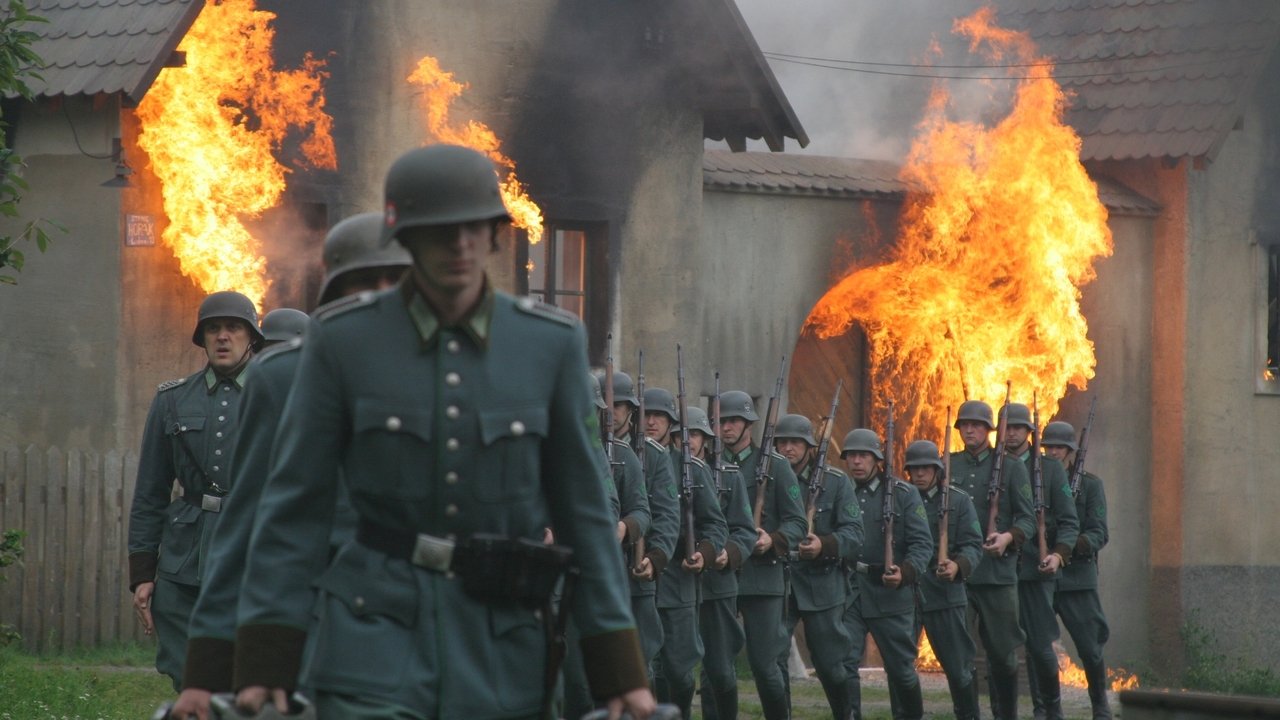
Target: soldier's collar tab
475, 325
212, 378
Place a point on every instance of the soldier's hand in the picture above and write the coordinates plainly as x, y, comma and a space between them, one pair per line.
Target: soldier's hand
251, 699
622, 531
191, 703
947, 570
892, 577
638, 703
997, 543
810, 547
1050, 564
548, 537
694, 564
643, 570
722, 560
764, 543
142, 606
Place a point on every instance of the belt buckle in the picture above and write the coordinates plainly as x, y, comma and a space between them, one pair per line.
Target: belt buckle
212, 503
863, 568
432, 553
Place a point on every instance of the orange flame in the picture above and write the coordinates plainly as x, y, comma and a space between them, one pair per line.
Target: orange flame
210, 129
1071, 675
926, 660
1001, 228
439, 92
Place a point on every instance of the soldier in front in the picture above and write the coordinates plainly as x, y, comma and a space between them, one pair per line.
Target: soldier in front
462, 421
190, 431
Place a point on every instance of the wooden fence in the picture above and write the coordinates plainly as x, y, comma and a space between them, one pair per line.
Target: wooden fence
71, 588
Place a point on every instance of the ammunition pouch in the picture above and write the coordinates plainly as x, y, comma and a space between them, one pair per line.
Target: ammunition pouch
494, 569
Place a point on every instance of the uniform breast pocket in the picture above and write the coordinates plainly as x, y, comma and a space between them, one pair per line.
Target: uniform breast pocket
188, 430
509, 465
390, 447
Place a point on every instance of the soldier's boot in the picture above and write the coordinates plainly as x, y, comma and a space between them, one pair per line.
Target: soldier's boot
964, 699
682, 697
993, 694
1050, 691
1005, 689
911, 702
710, 702
1096, 674
853, 698
726, 705
1033, 684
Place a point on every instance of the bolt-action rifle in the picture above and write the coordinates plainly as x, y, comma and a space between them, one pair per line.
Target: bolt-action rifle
718, 466
608, 404
887, 508
1037, 480
944, 510
1077, 467
637, 444
997, 466
686, 463
819, 467
764, 462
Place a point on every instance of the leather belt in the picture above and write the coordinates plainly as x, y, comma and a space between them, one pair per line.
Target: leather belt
425, 551
204, 501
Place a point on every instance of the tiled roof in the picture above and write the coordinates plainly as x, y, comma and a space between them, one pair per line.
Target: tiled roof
107, 46
1152, 78
815, 175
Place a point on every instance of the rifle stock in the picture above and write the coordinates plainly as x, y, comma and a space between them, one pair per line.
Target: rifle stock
997, 465
1077, 467
637, 423
766, 447
1037, 480
717, 443
686, 463
608, 402
944, 512
820, 458
887, 510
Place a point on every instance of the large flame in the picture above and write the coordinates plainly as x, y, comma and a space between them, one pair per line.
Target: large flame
439, 92
926, 660
1001, 228
210, 129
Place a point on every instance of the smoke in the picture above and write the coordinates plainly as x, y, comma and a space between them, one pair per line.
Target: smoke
870, 112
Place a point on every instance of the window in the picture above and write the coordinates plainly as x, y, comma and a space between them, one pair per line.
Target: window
569, 269
1269, 320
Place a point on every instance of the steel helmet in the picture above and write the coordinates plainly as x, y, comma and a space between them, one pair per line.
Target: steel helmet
697, 420
795, 426
356, 244
596, 394
736, 403
226, 304
624, 389
659, 400
1018, 414
862, 440
284, 324
1060, 434
923, 452
977, 411
440, 185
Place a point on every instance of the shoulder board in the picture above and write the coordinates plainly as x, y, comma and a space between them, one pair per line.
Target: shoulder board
773, 453
282, 348
698, 461
903, 484
536, 308
656, 445
621, 443
170, 384
346, 304
832, 471
957, 491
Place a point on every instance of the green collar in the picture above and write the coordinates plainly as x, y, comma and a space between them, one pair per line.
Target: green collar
211, 378
980, 456
931, 492
739, 457
475, 325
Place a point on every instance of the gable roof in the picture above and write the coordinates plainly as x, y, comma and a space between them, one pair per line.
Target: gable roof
849, 178
1152, 78
739, 95
107, 46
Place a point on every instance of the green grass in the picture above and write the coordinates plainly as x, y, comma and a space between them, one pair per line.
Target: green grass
110, 683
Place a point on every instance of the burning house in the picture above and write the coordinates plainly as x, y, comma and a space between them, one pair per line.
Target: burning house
627, 125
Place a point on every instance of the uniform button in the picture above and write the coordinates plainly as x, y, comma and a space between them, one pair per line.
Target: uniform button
216, 468
219, 433
449, 575
450, 509
451, 477
359, 601
224, 403
517, 428
453, 379
217, 452
452, 412
451, 444
183, 428
222, 418
226, 388
393, 423
453, 346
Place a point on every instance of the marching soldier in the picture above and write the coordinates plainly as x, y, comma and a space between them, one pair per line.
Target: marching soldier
881, 598
818, 585
993, 593
940, 593
664, 513
782, 527
455, 459
1076, 600
1037, 575
722, 637
190, 431
352, 246
678, 585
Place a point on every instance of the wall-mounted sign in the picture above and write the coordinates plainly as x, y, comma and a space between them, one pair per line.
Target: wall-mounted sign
140, 230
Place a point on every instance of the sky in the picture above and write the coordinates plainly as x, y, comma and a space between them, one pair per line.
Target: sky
858, 113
